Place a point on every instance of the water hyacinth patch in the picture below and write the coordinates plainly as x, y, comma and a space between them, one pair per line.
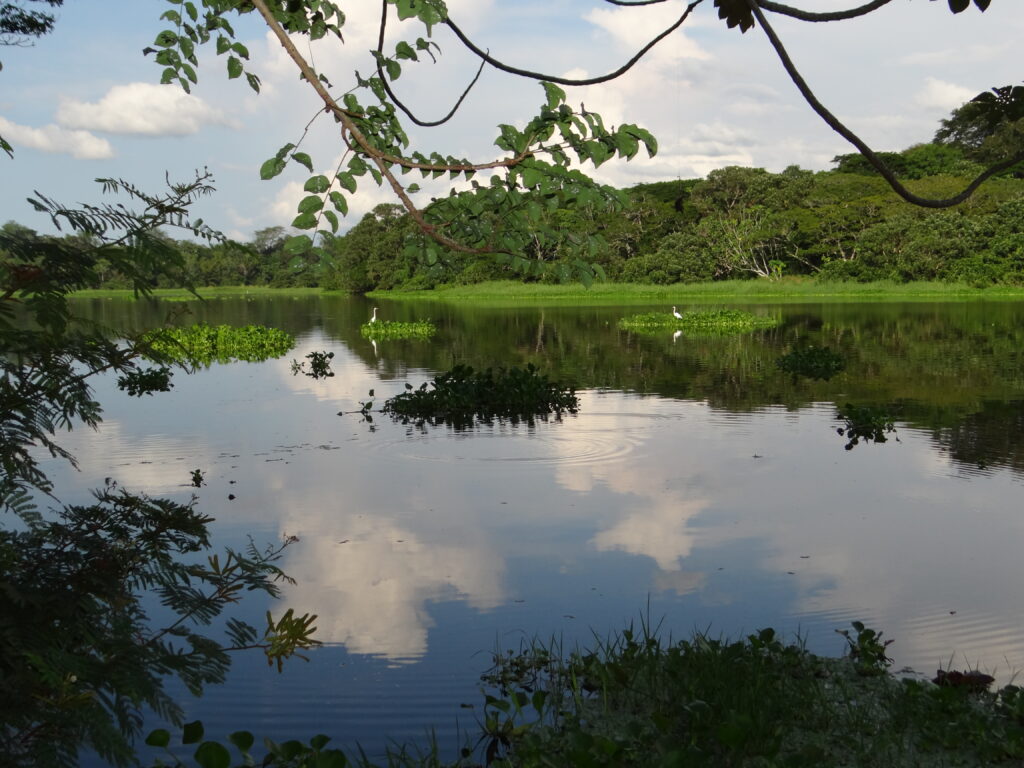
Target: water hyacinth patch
462, 395
203, 345
708, 322
395, 329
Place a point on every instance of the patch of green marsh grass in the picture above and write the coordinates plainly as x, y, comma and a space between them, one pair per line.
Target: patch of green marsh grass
638, 700
204, 344
396, 329
708, 322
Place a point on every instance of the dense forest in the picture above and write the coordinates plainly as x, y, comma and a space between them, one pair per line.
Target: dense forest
842, 224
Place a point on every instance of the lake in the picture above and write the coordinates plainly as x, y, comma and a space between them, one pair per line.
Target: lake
699, 488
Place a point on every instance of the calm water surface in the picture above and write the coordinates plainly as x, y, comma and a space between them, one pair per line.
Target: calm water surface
698, 485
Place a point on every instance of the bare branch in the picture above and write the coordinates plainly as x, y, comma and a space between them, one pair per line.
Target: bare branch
398, 102
798, 13
834, 123
566, 80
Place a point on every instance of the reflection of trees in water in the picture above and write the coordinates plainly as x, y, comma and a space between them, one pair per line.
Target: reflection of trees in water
990, 437
948, 365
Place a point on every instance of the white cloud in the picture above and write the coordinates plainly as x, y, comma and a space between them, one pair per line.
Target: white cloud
57, 140
938, 94
143, 109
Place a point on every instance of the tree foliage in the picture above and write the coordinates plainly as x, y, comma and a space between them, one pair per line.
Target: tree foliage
79, 657
508, 215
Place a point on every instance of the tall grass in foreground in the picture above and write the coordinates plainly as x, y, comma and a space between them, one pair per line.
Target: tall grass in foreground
636, 699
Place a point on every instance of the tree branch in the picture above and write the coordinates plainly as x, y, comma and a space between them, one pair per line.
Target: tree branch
382, 160
398, 102
798, 13
568, 80
834, 123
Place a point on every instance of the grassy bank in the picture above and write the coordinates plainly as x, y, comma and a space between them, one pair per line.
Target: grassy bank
213, 292
638, 700
512, 293
505, 293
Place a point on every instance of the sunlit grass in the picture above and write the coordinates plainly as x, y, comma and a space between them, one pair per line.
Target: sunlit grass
794, 289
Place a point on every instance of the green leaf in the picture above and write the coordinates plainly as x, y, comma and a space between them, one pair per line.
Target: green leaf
166, 39
304, 159
234, 68
240, 49
310, 204
295, 246
190, 9
404, 51
210, 754
192, 732
555, 95
304, 221
159, 738
332, 217
340, 203
347, 181
223, 44
394, 69
319, 741
243, 739
318, 184
168, 76
272, 168
253, 80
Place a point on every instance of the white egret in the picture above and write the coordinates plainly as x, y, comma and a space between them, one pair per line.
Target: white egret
374, 318
675, 314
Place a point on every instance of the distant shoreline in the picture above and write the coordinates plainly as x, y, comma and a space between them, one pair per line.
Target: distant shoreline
512, 293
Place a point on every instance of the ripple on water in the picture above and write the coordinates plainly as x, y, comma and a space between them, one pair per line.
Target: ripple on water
600, 438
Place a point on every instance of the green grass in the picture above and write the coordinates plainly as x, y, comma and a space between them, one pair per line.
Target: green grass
708, 322
214, 292
508, 293
511, 293
396, 329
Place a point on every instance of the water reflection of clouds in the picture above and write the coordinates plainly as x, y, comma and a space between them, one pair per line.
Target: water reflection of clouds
370, 578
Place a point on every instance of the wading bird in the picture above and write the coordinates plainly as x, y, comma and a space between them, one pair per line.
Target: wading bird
675, 314
374, 318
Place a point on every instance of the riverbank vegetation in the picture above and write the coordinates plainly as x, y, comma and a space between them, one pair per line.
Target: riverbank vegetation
739, 230
638, 699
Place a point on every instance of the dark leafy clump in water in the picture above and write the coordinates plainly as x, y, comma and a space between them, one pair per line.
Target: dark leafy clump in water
865, 422
462, 395
203, 345
812, 362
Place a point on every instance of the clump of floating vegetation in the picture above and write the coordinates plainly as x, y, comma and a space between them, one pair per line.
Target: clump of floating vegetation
866, 423
812, 362
204, 344
395, 329
705, 322
463, 395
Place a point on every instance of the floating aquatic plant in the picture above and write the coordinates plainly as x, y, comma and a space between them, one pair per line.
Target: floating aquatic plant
395, 329
865, 423
706, 322
462, 395
812, 362
203, 344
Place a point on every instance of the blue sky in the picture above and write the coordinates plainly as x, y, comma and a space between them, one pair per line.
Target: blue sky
84, 102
